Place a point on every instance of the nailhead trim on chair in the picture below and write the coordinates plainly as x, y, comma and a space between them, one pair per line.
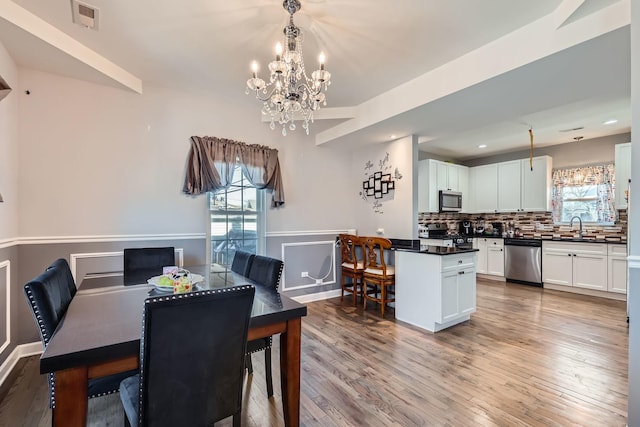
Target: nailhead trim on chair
45, 341
169, 298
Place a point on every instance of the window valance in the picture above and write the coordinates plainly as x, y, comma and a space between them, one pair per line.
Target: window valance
211, 161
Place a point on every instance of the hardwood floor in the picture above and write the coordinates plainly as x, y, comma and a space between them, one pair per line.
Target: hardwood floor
527, 357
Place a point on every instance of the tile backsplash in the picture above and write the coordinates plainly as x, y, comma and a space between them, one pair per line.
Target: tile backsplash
533, 224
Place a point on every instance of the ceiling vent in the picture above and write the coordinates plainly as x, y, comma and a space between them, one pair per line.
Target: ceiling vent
85, 15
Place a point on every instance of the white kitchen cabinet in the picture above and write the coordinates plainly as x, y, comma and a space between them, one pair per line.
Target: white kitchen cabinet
622, 173
435, 292
509, 186
484, 188
581, 265
433, 176
617, 269
535, 195
490, 255
512, 186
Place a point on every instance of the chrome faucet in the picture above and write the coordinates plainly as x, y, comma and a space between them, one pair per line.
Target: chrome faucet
579, 221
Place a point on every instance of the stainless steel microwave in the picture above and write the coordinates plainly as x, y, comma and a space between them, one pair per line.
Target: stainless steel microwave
450, 201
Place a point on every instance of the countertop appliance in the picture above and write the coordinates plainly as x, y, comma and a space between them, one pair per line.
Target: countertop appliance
450, 201
437, 234
497, 228
523, 261
465, 228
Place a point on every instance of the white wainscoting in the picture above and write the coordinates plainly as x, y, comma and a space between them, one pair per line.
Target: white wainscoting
6, 265
298, 246
75, 258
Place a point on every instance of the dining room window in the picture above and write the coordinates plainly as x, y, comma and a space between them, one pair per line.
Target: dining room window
237, 219
586, 193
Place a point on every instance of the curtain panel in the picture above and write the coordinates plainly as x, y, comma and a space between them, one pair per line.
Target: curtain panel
211, 161
601, 176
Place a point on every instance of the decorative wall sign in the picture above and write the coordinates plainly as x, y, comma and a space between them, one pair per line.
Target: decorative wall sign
379, 184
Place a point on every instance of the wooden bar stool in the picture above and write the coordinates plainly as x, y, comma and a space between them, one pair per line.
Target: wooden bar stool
379, 279
352, 264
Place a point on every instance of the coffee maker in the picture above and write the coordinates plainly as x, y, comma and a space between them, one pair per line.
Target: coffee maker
465, 228
498, 228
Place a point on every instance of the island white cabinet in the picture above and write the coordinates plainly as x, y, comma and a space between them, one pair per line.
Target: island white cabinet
433, 176
617, 268
582, 265
622, 173
490, 255
435, 292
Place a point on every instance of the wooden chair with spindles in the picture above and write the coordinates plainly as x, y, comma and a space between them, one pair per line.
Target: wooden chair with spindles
379, 279
352, 265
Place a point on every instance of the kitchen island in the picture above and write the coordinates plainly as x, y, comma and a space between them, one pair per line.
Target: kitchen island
435, 286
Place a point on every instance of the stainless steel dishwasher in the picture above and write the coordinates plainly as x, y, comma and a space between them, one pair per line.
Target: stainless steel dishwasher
523, 261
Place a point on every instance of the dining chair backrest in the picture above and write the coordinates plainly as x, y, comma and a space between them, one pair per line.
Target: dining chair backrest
65, 270
192, 356
375, 257
49, 297
266, 271
242, 262
142, 263
352, 250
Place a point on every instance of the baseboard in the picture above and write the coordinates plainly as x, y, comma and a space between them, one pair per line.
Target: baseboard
319, 296
491, 277
584, 291
22, 350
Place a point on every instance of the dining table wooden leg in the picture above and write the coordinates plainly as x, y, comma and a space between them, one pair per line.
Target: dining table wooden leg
290, 372
71, 398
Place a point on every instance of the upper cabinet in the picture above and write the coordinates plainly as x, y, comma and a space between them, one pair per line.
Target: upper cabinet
622, 173
484, 188
433, 176
536, 184
512, 186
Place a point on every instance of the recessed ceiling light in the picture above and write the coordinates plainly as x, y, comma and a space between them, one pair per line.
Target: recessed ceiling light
482, 146
393, 136
610, 122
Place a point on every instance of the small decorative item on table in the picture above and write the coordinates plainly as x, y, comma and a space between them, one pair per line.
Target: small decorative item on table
182, 285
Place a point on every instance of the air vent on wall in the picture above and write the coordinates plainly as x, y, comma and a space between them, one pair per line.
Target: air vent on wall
85, 15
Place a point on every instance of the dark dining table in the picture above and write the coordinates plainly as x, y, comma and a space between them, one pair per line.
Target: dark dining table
100, 335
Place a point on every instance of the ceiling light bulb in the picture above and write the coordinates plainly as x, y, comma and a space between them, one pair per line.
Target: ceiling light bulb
610, 122
482, 146
278, 48
254, 67
321, 59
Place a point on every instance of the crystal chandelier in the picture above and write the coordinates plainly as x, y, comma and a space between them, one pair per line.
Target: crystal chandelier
290, 94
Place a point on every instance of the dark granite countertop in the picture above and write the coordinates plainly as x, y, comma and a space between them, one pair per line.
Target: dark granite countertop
559, 239
438, 250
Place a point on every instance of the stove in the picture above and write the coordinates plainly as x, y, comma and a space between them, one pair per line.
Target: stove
437, 234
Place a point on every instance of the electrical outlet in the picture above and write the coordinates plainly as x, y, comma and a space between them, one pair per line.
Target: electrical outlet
304, 274
318, 281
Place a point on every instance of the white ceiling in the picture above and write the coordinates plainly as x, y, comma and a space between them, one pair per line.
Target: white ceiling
372, 48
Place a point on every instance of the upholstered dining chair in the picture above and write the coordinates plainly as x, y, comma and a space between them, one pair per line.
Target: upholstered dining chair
191, 359
352, 251
265, 272
65, 270
378, 277
49, 296
142, 263
242, 262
